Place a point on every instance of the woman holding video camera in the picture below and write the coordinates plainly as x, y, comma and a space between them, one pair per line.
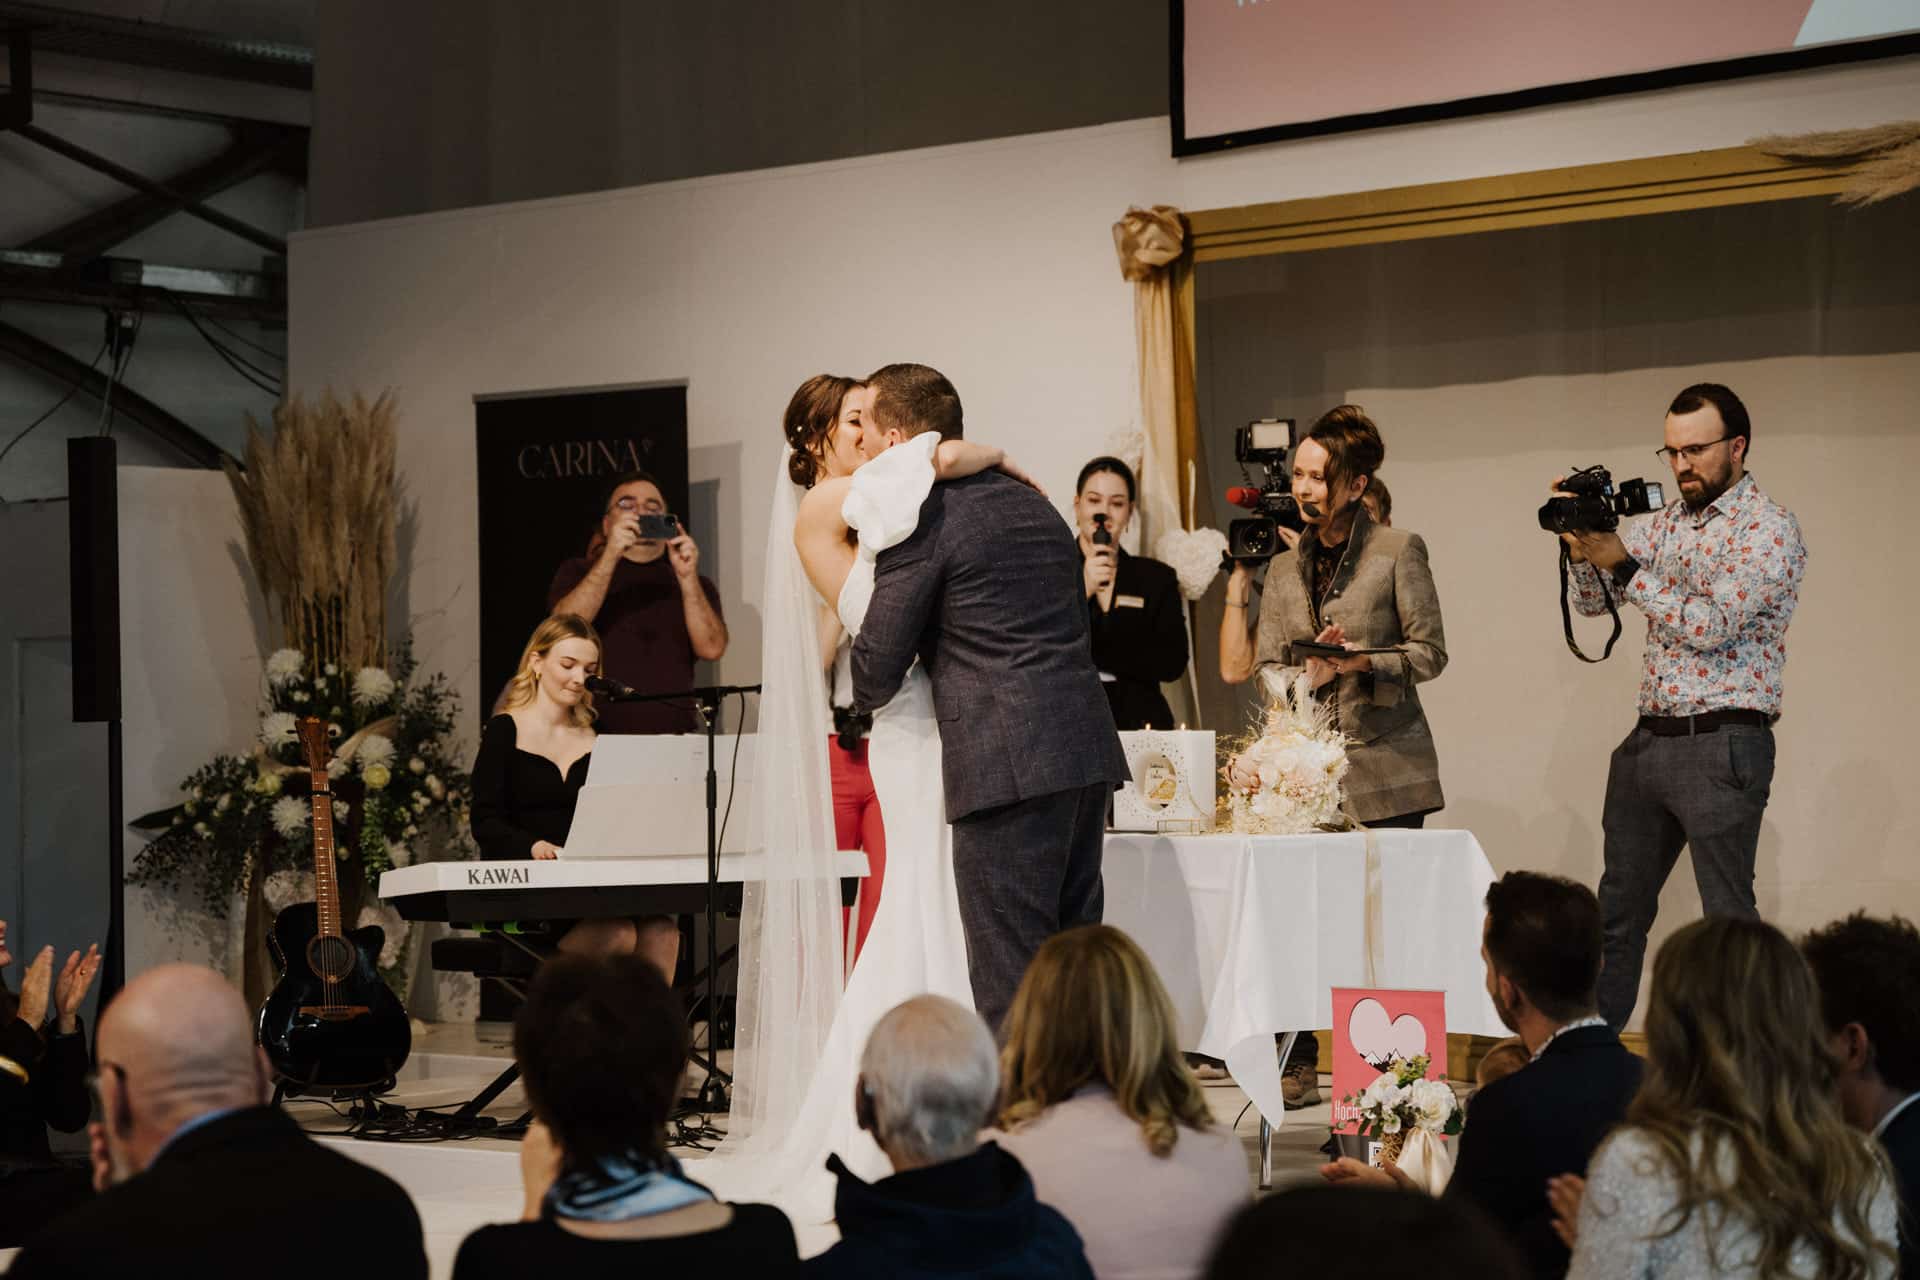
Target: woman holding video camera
1358, 585
1352, 581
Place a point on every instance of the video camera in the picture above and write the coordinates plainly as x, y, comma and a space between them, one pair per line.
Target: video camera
1593, 506
1265, 444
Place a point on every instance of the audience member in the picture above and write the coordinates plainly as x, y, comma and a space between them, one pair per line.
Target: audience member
650, 602
197, 1175
527, 776
954, 1205
1500, 1061
1099, 1106
602, 1046
1326, 1234
1541, 944
1734, 1159
43, 1072
1868, 972
1134, 611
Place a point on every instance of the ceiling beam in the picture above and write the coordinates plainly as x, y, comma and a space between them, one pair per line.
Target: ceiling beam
27, 349
125, 282
256, 150
131, 42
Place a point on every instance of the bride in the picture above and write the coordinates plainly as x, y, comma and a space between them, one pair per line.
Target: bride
840, 499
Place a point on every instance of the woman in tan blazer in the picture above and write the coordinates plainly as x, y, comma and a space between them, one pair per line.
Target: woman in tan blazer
1352, 581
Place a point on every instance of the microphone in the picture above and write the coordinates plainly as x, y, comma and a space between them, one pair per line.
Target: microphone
1244, 496
608, 688
1102, 536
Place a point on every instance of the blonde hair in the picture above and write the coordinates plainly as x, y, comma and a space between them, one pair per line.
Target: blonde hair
521, 689
1739, 1101
1091, 1010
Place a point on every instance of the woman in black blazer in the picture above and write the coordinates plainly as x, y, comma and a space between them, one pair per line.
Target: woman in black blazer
1134, 610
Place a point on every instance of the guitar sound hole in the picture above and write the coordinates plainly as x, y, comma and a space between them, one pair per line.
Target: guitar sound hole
330, 957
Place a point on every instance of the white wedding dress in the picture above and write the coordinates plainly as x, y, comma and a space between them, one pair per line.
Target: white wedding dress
916, 943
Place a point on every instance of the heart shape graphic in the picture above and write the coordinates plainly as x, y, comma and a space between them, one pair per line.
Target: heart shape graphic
1379, 1040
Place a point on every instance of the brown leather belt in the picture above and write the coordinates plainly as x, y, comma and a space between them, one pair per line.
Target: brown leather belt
1705, 722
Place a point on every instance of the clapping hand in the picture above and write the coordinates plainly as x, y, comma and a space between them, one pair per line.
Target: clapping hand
76, 976
1564, 1194
34, 989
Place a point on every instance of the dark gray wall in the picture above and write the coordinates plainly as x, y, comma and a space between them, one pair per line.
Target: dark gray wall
440, 104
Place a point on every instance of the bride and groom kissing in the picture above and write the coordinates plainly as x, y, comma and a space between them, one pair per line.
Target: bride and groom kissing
960, 586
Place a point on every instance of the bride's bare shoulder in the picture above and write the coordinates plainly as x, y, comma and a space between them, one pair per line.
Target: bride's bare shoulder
820, 508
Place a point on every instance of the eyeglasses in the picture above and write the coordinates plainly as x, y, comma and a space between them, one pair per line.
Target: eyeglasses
1691, 452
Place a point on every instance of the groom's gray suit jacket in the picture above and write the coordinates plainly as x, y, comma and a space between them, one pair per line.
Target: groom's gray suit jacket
988, 594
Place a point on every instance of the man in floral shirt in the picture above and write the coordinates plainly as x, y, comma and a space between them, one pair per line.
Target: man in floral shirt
1717, 575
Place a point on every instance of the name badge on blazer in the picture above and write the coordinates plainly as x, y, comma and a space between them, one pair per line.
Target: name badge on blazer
1129, 602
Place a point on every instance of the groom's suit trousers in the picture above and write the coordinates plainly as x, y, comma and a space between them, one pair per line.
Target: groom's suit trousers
1024, 872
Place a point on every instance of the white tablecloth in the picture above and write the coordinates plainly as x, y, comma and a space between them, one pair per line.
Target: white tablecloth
1252, 933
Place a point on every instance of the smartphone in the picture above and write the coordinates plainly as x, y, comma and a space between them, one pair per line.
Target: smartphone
655, 528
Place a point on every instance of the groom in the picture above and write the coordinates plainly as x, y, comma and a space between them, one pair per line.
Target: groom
987, 593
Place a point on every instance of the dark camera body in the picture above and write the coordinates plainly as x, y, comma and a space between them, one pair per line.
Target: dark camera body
1265, 444
1594, 507
656, 528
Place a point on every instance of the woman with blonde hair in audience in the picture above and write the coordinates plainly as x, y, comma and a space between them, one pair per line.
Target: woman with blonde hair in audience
1099, 1105
1734, 1159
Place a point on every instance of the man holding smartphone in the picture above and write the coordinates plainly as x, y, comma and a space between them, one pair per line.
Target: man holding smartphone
640, 586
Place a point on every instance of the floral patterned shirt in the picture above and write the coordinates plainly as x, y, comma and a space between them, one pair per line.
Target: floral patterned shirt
1718, 587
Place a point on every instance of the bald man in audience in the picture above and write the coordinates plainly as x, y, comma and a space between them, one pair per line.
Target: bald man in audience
198, 1175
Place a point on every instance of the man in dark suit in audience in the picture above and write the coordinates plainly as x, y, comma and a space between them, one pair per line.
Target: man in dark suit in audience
197, 1175
1868, 971
1541, 943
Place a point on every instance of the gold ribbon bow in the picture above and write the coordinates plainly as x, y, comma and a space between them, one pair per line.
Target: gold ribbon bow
1148, 239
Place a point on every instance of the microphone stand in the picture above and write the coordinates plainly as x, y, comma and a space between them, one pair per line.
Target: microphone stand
707, 700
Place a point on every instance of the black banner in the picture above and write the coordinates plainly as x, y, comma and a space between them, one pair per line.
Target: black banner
545, 465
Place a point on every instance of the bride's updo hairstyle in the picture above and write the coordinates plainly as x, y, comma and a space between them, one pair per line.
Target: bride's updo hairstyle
811, 416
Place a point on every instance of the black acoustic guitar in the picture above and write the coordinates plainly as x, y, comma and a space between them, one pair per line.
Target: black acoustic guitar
330, 1023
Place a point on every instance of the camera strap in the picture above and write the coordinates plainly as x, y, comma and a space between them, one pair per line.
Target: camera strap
1566, 610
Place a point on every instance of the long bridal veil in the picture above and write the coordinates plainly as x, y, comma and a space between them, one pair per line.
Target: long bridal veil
791, 963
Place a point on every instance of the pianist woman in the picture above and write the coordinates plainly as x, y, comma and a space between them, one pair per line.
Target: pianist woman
532, 762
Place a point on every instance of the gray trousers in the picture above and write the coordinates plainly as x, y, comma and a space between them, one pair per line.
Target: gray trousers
1707, 793
1024, 872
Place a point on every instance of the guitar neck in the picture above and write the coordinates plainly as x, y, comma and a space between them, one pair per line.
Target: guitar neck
326, 880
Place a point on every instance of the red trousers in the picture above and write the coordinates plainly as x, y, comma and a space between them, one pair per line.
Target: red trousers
857, 825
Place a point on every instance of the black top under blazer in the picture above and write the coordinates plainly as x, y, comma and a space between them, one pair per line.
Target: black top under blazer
1544, 1120
1141, 641
988, 593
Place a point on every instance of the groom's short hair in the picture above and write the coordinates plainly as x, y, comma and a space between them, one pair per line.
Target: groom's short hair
913, 398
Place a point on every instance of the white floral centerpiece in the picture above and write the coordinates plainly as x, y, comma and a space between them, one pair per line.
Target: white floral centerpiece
1401, 1102
396, 775
1300, 758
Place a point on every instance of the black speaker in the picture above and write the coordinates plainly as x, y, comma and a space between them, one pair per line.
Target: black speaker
93, 554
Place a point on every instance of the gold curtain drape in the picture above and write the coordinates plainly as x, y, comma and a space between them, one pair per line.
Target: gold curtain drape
1152, 246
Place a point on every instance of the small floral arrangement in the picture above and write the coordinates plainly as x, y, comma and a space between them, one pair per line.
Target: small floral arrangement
1401, 1099
1300, 757
396, 777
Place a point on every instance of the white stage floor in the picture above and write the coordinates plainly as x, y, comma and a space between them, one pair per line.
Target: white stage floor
462, 1184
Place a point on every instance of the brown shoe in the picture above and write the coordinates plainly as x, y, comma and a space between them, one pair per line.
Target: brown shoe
1300, 1087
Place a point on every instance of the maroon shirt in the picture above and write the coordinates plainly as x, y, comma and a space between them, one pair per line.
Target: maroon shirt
643, 633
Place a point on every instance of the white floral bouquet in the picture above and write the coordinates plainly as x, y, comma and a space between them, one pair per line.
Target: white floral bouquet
1402, 1100
396, 777
1300, 758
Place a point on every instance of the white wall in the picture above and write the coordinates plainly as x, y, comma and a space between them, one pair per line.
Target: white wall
992, 261
192, 635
